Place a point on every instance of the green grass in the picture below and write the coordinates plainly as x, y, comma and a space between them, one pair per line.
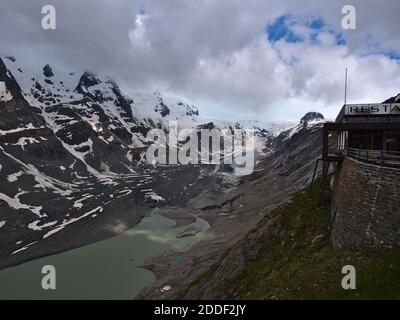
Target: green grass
293, 267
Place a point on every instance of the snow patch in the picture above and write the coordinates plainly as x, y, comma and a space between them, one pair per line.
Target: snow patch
24, 248
24, 141
45, 182
14, 177
68, 222
35, 225
5, 95
153, 196
165, 288
15, 203
28, 127
78, 203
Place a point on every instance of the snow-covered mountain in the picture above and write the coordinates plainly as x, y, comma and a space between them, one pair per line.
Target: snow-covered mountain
311, 121
72, 149
90, 115
77, 124
97, 124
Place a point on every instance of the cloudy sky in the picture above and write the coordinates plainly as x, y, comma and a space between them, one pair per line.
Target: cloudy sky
235, 59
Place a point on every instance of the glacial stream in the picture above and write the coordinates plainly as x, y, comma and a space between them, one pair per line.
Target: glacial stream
108, 269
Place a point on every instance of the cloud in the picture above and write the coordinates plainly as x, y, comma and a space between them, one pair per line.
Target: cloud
253, 59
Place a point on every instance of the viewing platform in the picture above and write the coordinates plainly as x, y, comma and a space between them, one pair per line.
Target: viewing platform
376, 157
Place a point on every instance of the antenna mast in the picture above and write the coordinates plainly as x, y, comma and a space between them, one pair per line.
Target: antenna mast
345, 88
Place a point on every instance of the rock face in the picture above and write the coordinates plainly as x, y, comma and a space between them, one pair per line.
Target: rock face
311, 117
365, 204
394, 99
309, 121
235, 259
162, 108
47, 72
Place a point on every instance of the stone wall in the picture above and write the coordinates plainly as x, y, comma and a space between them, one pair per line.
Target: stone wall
365, 204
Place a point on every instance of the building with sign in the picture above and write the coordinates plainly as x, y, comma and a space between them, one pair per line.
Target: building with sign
365, 181
367, 129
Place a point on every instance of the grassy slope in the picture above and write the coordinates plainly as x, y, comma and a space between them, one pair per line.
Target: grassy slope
295, 268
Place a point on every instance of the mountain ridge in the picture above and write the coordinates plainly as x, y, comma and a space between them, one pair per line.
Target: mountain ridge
72, 153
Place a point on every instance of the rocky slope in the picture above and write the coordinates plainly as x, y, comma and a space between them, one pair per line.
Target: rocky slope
72, 148
73, 171
279, 176
233, 209
394, 99
71, 153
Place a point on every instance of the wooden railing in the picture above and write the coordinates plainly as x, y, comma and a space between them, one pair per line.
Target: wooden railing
378, 157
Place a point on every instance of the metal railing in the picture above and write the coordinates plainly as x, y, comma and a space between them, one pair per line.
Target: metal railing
378, 157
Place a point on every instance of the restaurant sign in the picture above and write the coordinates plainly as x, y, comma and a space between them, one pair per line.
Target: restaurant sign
372, 109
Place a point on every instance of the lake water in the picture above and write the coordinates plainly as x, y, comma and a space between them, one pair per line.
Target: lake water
108, 269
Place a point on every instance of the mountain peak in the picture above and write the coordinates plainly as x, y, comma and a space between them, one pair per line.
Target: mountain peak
89, 79
11, 58
86, 81
161, 107
311, 117
47, 71
191, 110
393, 99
